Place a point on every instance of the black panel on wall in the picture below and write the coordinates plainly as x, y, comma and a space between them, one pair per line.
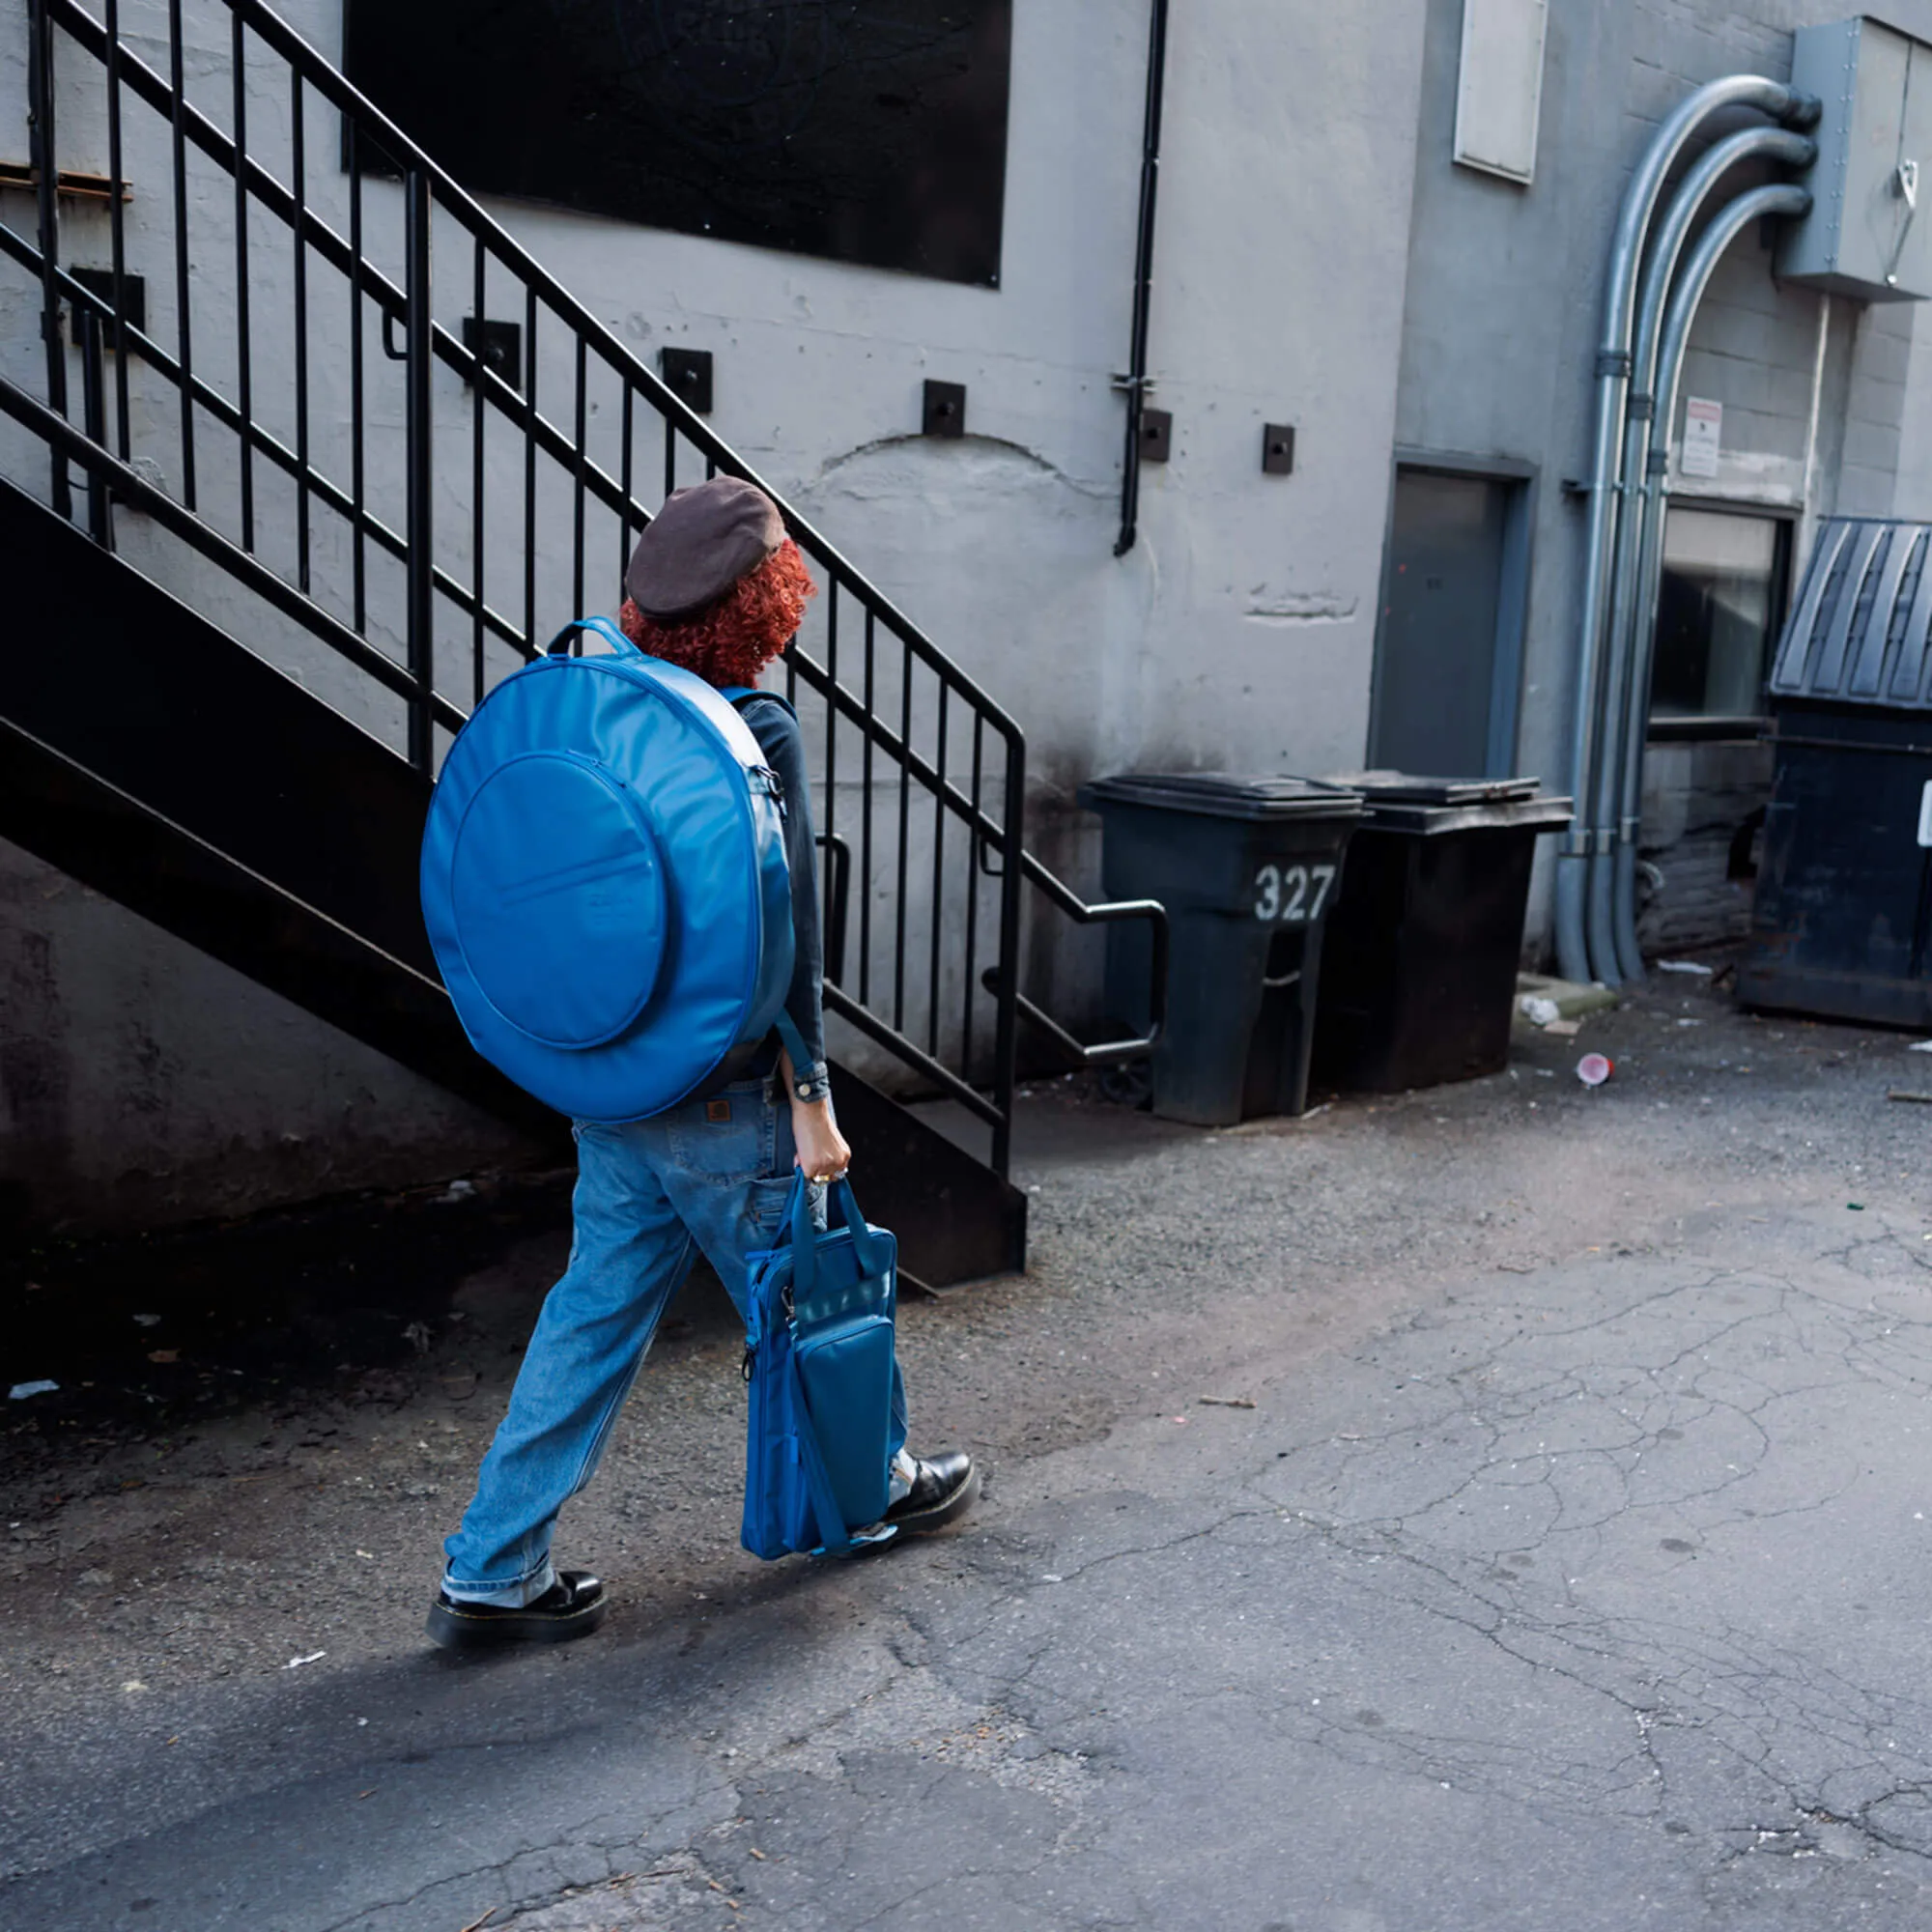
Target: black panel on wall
869, 130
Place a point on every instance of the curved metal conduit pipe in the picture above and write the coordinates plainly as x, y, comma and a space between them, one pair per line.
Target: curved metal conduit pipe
1608, 961
1613, 362
1783, 198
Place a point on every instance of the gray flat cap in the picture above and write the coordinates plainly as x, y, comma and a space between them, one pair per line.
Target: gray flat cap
698, 545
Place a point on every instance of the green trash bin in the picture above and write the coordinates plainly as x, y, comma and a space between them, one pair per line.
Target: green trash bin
1247, 868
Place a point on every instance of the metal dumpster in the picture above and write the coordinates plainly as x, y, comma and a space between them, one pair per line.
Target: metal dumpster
1841, 924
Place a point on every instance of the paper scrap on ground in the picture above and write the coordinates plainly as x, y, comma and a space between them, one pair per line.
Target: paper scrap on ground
20, 1391
1919, 1046
296, 1662
1539, 1011
1684, 966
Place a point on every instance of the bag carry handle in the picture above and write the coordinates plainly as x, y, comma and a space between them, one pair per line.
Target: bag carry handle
604, 628
867, 1245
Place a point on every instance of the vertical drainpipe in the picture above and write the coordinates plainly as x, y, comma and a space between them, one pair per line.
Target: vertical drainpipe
1606, 485
1134, 383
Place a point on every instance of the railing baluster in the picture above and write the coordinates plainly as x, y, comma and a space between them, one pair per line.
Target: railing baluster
93, 419
417, 216
244, 388
1006, 1009
671, 458
577, 478
624, 483
357, 534
905, 812
299, 170
530, 472
938, 875
476, 525
117, 232
46, 166
865, 830
831, 742
972, 898
183, 330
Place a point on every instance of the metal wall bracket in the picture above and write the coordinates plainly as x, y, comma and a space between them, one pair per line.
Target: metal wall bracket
499, 345
100, 282
945, 410
1278, 449
687, 374
1156, 434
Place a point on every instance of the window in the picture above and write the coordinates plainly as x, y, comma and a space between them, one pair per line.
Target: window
1717, 613
869, 130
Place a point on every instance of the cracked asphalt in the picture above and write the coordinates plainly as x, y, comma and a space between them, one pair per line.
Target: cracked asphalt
1504, 1506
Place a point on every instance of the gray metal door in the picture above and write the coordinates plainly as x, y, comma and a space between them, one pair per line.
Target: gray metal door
1435, 654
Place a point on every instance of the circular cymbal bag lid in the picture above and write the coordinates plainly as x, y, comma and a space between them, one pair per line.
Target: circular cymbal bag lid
603, 881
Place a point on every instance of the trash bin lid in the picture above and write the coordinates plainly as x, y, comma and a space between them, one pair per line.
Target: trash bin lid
1403, 802
1224, 795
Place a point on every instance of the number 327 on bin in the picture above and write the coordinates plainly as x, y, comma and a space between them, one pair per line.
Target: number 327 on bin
1293, 895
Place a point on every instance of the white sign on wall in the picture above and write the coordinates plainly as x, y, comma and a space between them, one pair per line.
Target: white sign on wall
1703, 437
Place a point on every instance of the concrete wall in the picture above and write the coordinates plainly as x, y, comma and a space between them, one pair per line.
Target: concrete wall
1503, 317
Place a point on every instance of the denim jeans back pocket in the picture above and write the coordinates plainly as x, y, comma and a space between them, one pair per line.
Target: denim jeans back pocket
729, 1138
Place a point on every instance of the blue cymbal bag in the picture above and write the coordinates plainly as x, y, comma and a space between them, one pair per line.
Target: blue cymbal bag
604, 881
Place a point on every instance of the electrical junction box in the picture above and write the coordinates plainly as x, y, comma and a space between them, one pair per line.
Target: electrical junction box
1869, 234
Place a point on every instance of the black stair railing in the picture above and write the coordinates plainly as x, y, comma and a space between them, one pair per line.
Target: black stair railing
291, 289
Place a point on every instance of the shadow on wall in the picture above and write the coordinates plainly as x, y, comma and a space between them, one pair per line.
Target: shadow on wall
144, 1084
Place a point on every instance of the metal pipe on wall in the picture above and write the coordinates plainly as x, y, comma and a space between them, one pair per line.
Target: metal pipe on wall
1612, 375
1782, 198
1136, 381
1608, 962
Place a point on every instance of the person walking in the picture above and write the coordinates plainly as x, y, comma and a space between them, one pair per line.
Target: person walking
714, 586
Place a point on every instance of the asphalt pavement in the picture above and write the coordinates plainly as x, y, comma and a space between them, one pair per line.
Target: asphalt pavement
1505, 1506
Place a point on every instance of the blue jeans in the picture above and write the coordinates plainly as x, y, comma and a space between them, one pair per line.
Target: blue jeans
711, 1175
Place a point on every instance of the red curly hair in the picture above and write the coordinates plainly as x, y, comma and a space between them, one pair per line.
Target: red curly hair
733, 641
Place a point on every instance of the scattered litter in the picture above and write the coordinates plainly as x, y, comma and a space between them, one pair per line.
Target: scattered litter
1919, 1046
1564, 1029
1856, 1207
296, 1662
1683, 966
757, 1854
1690, 1022
1905, 1093
1225, 1401
133, 1684
1051, 1576
1537, 1011
1593, 1069
165, 1355
457, 1190
147, 1321
417, 1336
367, 1556
20, 1391
1514, 1267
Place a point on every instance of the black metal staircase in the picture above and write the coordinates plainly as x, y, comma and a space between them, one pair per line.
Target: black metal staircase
284, 387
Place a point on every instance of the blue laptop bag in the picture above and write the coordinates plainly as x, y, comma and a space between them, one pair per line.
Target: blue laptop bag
821, 1307
604, 880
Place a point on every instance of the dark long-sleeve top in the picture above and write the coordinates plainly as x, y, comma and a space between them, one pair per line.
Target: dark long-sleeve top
772, 725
